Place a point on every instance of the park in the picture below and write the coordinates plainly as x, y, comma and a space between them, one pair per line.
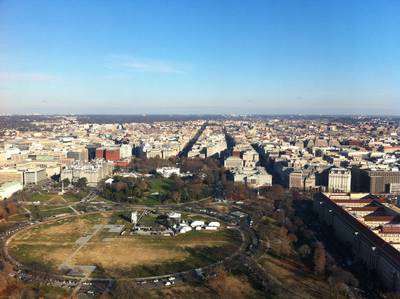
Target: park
94, 244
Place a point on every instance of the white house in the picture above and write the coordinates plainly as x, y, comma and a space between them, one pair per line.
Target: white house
109, 181
168, 171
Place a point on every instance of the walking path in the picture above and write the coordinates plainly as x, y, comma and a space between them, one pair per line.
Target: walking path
73, 209
29, 212
67, 262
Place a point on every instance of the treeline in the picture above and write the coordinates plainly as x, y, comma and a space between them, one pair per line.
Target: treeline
218, 179
209, 171
149, 165
208, 178
80, 183
7, 208
124, 189
176, 189
284, 234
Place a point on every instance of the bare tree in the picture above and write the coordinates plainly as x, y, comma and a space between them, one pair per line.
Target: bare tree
319, 258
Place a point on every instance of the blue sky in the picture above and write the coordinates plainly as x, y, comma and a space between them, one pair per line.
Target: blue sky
212, 56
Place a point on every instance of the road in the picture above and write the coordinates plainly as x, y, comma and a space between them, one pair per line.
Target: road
247, 249
188, 147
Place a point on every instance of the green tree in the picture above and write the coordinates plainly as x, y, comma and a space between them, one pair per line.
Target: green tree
174, 196
66, 182
81, 183
176, 183
142, 185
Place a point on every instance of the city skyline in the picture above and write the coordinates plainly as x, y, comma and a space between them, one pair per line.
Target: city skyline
200, 149
200, 57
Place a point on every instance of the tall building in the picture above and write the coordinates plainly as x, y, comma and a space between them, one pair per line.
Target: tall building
302, 180
112, 154
108, 153
380, 181
339, 180
126, 151
91, 148
253, 177
78, 154
370, 227
296, 180
94, 171
100, 153
233, 162
34, 175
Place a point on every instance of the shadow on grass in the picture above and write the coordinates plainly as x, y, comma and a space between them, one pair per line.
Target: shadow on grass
198, 257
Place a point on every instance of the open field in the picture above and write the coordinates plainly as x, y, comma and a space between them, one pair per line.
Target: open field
230, 286
139, 256
52, 198
50, 204
52, 244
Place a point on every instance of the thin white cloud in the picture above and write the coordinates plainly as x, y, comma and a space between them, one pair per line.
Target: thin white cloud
147, 65
23, 76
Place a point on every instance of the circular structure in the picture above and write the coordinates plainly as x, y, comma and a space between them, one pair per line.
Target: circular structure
103, 245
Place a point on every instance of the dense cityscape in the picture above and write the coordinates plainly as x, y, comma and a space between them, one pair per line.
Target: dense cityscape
209, 149
267, 203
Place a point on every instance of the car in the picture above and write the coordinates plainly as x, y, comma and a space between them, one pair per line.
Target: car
168, 283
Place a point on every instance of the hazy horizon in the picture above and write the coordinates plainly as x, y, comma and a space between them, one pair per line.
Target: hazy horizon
233, 115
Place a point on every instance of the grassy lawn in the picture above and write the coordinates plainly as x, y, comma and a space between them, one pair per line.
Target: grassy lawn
295, 276
139, 256
148, 220
71, 197
230, 286
45, 291
47, 255
190, 216
51, 204
61, 231
54, 198
57, 211
150, 200
42, 197
44, 211
156, 185
19, 217
50, 244
41, 211
120, 217
161, 185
